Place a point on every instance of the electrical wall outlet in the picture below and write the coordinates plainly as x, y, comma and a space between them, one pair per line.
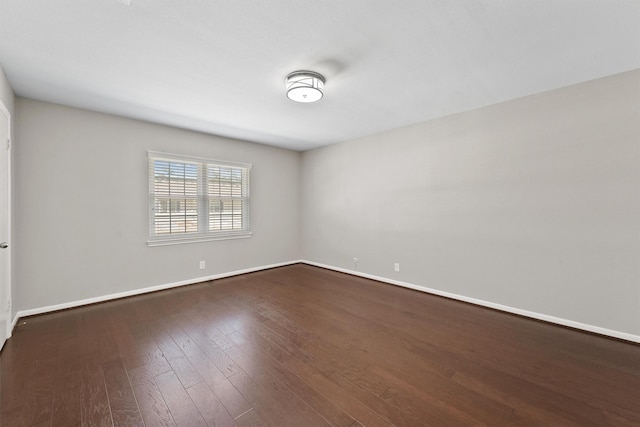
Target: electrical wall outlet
202, 265
396, 267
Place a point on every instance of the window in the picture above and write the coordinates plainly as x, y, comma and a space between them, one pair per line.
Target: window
195, 199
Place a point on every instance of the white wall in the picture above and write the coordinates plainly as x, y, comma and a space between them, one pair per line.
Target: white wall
8, 99
533, 204
6, 94
82, 199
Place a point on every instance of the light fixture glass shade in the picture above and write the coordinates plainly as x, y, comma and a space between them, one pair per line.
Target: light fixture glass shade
304, 86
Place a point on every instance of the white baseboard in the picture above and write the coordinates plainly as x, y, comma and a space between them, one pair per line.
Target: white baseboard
78, 303
13, 325
552, 319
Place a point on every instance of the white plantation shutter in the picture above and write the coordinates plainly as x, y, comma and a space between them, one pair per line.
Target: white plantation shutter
195, 199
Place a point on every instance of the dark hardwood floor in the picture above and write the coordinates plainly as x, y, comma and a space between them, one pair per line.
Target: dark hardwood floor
304, 346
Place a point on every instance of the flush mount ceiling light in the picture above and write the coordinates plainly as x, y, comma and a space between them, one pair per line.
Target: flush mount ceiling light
304, 86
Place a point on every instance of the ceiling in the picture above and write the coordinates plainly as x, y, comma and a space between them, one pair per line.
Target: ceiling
218, 66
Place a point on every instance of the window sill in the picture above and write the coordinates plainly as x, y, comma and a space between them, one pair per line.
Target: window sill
164, 241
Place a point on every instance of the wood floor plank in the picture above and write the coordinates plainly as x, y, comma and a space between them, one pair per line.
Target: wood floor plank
187, 374
212, 410
360, 411
252, 359
13, 393
531, 401
207, 322
230, 397
108, 349
94, 402
251, 418
122, 401
153, 407
425, 389
39, 379
153, 359
197, 333
37, 407
275, 402
185, 371
66, 399
397, 411
182, 408
617, 420
300, 345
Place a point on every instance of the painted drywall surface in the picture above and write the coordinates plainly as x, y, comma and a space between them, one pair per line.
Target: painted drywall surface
8, 100
533, 204
82, 198
6, 94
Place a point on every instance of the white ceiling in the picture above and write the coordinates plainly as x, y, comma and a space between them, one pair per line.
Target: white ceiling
218, 66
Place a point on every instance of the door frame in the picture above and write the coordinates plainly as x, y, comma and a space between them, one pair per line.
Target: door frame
10, 320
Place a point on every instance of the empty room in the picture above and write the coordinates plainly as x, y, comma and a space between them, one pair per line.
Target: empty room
319, 213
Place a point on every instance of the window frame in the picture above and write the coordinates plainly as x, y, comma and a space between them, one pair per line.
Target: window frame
203, 233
